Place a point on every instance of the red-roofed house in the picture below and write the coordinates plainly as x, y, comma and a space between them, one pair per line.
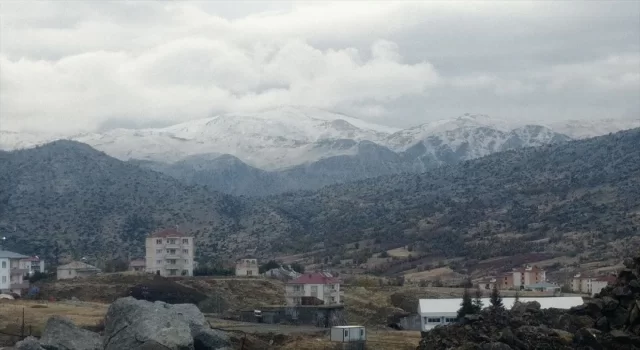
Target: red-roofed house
320, 285
169, 253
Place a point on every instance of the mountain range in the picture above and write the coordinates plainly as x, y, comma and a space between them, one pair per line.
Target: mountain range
296, 148
576, 197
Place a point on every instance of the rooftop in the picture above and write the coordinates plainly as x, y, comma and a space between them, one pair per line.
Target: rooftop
77, 265
138, 262
11, 255
315, 278
168, 232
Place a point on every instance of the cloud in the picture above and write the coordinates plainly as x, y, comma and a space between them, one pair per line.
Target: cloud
79, 66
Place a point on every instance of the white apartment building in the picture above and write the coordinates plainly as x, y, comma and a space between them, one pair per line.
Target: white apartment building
247, 267
320, 285
169, 253
35, 264
528, 275
13, 267
591, 285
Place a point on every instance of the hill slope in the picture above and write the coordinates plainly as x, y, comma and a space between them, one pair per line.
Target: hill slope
91, 203
575, 196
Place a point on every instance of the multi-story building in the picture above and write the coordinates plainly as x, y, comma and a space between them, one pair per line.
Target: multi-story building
320, 285
247, 267
589, 284
35, 264
528, 275
13, 268
169, 253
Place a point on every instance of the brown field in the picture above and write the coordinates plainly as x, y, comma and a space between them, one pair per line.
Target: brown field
379, 340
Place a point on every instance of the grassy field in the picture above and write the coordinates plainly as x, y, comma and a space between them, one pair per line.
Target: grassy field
379, 340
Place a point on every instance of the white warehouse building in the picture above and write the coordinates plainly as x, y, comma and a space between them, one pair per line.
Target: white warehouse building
438, 312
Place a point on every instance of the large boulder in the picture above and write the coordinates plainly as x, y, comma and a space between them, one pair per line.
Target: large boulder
137, 325
29, 343
204, 338
61, 334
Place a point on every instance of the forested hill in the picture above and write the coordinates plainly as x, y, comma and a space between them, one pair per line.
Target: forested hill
569, 197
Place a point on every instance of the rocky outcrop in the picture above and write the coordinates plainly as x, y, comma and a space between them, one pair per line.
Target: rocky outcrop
134, 325
611, 320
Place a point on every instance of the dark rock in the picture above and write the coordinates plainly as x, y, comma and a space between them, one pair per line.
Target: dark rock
594, 307
609, 304
467, 319
507, 337
496, 346
206, 338
61, 334
619, 317
602, 324
563, 337
588, 337
136, 324
620, 336
29, 343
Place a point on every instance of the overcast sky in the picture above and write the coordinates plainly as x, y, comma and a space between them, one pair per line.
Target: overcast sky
84, 65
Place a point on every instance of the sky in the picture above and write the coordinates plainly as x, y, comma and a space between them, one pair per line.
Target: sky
83, 66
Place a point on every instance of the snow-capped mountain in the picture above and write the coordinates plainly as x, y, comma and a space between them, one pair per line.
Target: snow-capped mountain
333, 144
273, 139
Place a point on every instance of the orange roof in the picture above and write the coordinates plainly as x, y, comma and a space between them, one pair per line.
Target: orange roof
168, 232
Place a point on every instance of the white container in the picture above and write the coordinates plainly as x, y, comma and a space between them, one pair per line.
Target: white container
347, 334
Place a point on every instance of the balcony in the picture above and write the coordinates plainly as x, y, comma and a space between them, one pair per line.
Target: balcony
23, 285
19, 271
295, 293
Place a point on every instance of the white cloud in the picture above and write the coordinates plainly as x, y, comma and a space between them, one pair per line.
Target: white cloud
74, 66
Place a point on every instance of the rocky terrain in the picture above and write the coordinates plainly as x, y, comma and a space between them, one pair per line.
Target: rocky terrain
609, 321
136, 325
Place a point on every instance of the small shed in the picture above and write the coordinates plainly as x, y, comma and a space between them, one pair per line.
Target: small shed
348, 334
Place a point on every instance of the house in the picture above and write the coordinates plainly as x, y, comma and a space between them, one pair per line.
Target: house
601, 282
544, 287
590, 284
34, 264
487, 284
169, 253
13, 268
320, 285
76, 269
436, 312
247, 267
138, 265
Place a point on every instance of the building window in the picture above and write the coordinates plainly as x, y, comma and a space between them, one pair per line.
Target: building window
172, 261
158, 241
4, 279
433, 320
4, 264
172, 272
158, 251
185, 241
346, 333
185, 251
171, 241
69, 272
450, 320
158, 262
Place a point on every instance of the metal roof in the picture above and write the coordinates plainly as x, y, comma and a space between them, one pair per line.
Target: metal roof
11, 255
451, 306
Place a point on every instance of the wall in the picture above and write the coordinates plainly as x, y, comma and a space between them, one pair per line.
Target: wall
320, 316
4, 274
64, 274
597, 286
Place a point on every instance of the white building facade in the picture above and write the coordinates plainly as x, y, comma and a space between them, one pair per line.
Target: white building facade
13, 268
169, 253
247, 267
438, 312
320, 285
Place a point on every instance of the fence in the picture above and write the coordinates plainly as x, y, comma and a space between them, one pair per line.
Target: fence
23, 331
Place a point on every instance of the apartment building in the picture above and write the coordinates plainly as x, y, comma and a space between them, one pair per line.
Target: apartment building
35, 264
526, 276
13, 268
310, 287
590, 284
247, 267
169, 253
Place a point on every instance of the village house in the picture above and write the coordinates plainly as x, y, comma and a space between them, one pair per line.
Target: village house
169, 253
13, 268
313, 288
35, 265
487, 284
247, 267
590, 284
138, 265
76, 269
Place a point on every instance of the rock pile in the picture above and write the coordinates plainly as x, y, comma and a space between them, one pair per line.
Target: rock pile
611, 320
136, 325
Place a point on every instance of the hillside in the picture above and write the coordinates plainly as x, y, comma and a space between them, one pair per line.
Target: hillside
90, 203
575, 197
579, 197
